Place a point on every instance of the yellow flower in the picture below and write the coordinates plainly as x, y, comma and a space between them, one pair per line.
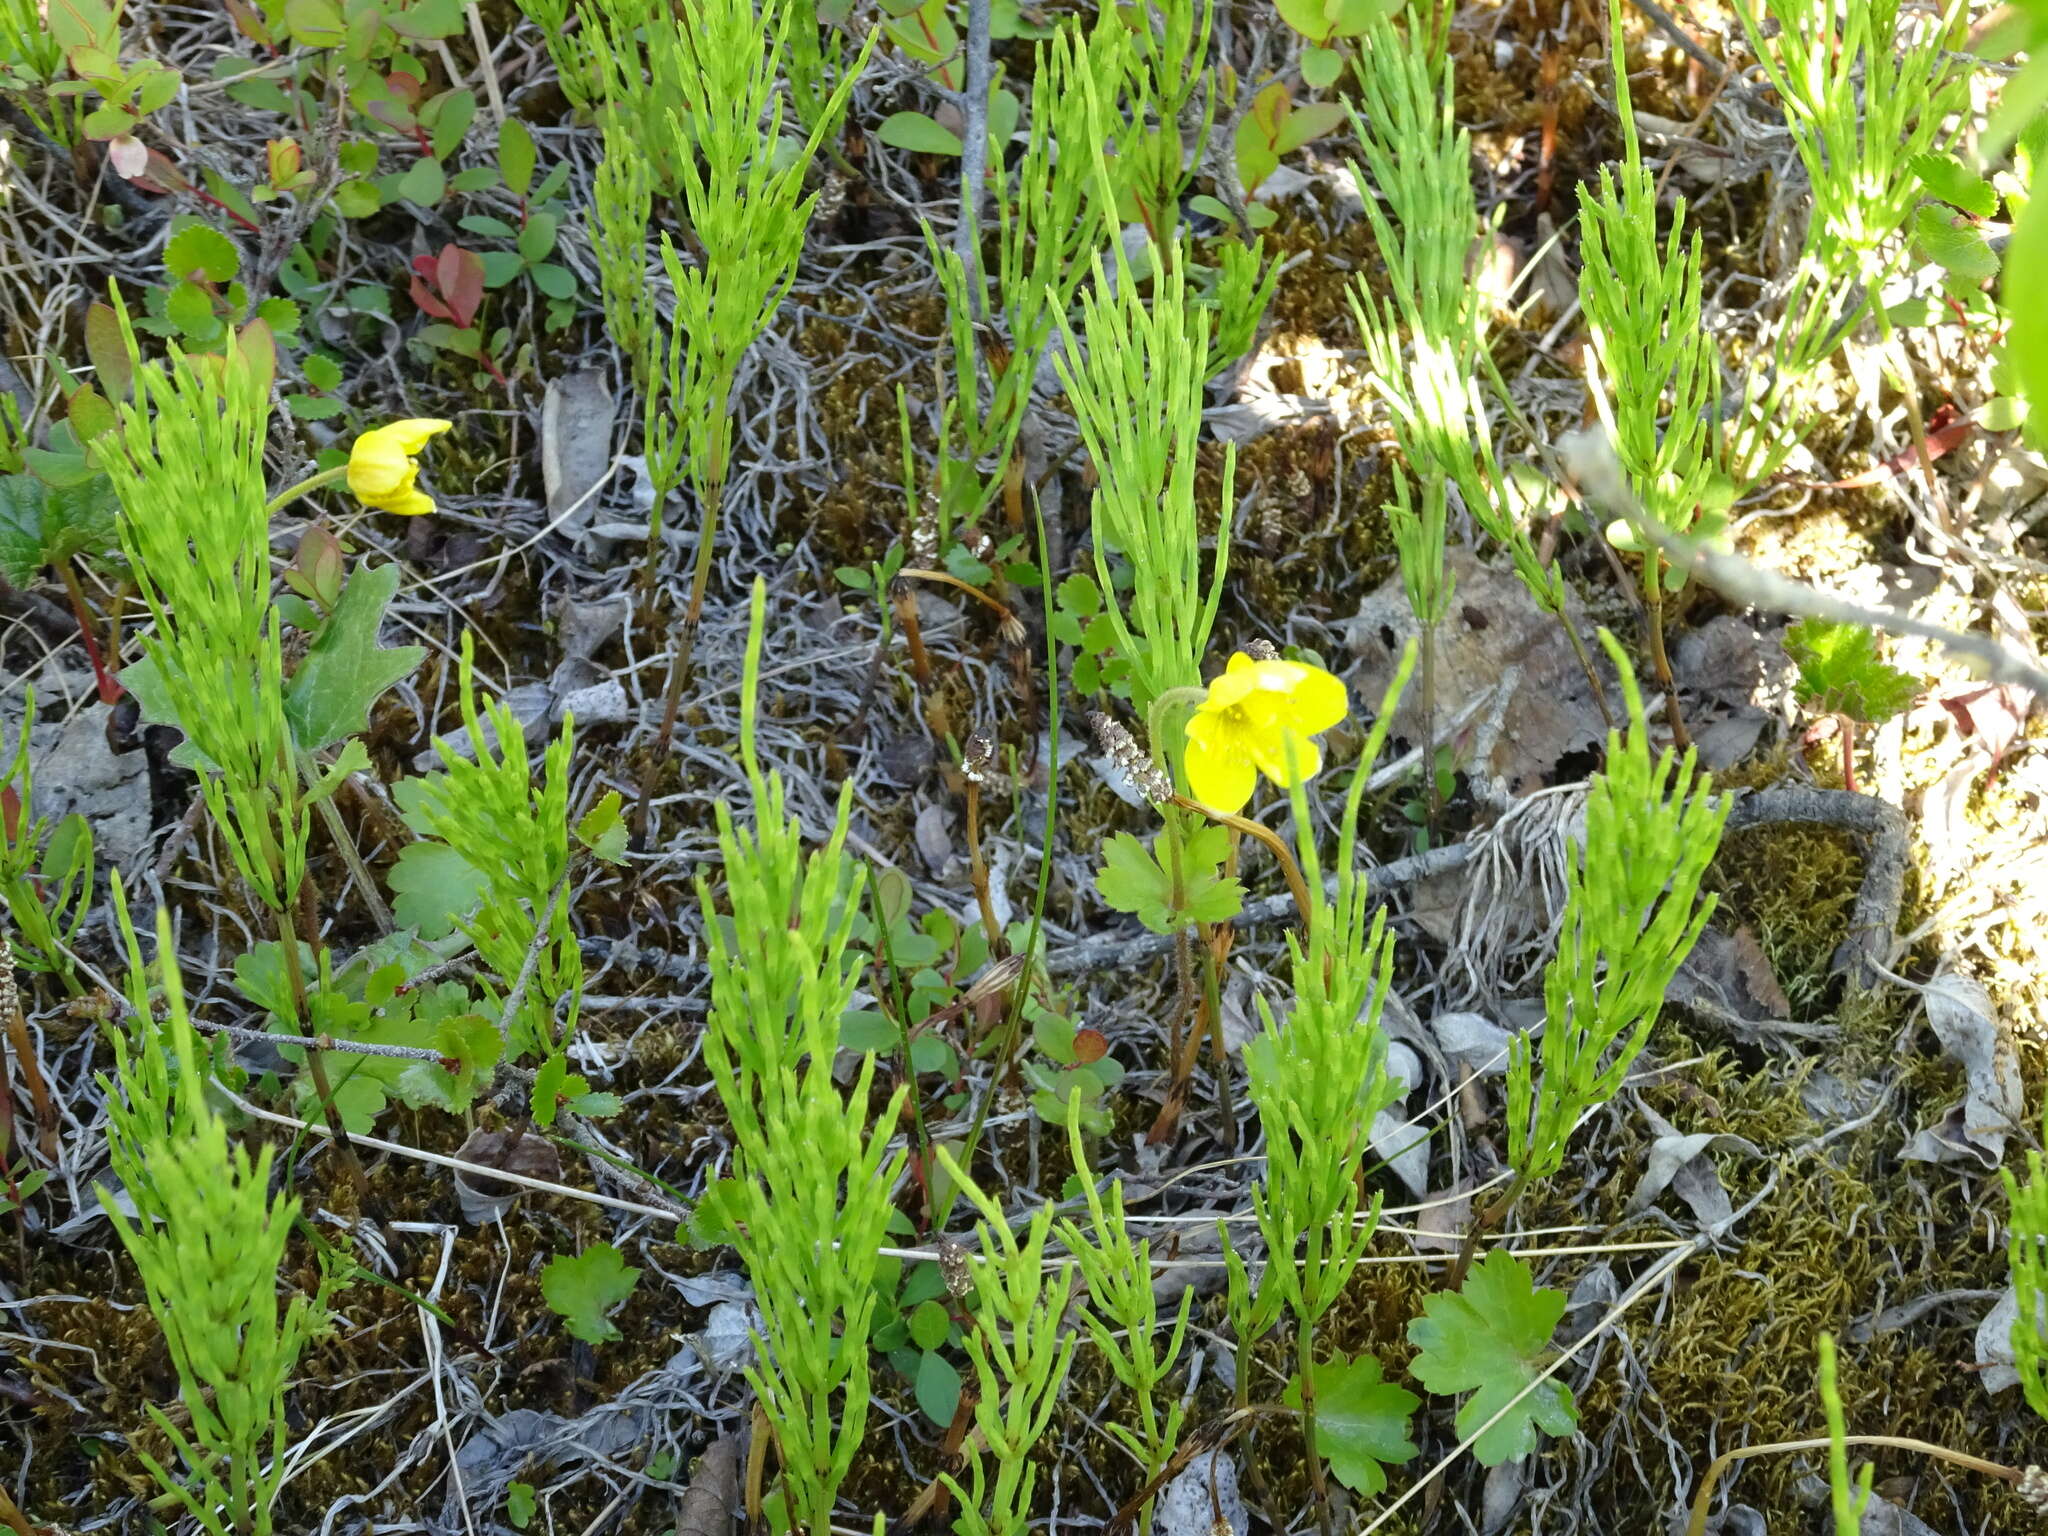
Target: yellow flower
1256, 713
382, 468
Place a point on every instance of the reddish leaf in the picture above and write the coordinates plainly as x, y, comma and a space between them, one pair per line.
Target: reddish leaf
423, 298
460, 277
10, 812
162, 177
1089, 1046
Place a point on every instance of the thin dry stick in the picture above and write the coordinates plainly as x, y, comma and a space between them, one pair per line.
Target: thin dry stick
1591, 460
1697, 1525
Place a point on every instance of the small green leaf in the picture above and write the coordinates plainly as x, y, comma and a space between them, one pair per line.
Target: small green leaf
358, 199
189, 307
448, 117
1946, 177
929, 1325
538, 238
108, 350
1960, 249
1841, 673
43, 524
433, 887
583, 1289
199, 250
1490, 1339
919, 134
937, 1389
1361, 1421
556, 281
424, 182
322, 372
603, 829
345, 670
1320, 67
516, 156
520, 1504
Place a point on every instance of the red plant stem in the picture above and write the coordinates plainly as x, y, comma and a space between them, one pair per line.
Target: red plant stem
110, 691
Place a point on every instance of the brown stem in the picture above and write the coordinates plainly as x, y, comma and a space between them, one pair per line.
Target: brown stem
1848, 728
679, 664
978, 873
1653, 603
1485, 1222
905, 603
31, 1069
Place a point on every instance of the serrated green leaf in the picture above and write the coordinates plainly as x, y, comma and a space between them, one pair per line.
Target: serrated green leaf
583, 1289
1361, 1421
41, 524
1946, 177
1960, 249
200, 249
1133, 880
1490, 1338
433, 887
345, 670
1841, 672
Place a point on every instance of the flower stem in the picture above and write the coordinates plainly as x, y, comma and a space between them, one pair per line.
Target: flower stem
1251, 828
305, 487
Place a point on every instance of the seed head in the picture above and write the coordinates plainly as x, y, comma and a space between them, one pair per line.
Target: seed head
1122, 749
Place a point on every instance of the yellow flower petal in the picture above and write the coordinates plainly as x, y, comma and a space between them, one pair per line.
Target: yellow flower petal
381, 469
1270, 752
1220, 772
413, 433
1237, 683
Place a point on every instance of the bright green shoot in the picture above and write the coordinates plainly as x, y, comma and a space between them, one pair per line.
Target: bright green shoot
1655, 371
188, 469
810, 1203
1020, 1355
1847, 1500
1861, 105
1632, 914
1123, 1315
2028, 1255
514, 835
1047, 224
695, 100
207, 1238
1319, 1080
1137, 393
